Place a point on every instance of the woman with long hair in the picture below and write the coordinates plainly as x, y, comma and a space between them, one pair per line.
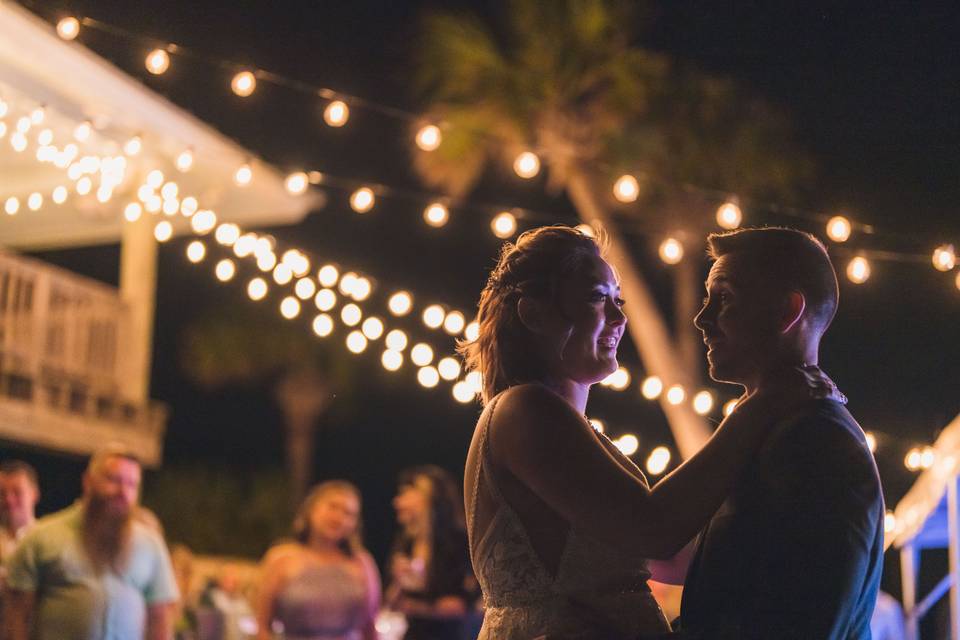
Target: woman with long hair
561, 524
431, 580
323, 585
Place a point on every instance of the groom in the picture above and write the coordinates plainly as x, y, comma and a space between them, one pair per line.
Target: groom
796, 549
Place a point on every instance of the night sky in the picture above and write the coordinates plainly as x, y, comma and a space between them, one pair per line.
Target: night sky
873, 89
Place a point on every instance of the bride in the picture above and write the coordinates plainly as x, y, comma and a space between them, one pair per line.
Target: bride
561, 524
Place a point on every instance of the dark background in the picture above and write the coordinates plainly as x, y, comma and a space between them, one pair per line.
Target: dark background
873, 89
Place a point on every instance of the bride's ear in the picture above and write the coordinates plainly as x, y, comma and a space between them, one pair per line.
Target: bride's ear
531, 313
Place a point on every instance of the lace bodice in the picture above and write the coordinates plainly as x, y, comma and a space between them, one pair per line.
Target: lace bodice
596, 592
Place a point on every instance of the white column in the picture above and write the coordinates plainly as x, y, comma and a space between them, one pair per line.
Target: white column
138, 287
908, 580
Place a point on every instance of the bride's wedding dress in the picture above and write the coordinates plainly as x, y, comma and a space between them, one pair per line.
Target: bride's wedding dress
596, 593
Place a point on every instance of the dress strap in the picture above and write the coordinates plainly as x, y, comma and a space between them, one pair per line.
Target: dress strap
486, 463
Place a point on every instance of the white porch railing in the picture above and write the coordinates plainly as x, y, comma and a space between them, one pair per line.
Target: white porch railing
61, 337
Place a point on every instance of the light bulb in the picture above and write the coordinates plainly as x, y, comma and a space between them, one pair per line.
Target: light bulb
651, 388
372, 328
400, 303
60, 195
391, 360
504, 225
257, 288
729, 215
448, 368
68, 28
351, 315
429, 137
157, 62
133, 146
676, 394
336, 113
356, 342
730, 406
527, 165
325, 300
203, 221
305, 288
586, 230
396, 340
323, 325
454, 323
428, 377
626, 189
82, 131
421, 354
243, 84
703, 403
362, 200
871, 441
671, 251
132, 212
225, 269
658, 461
463, 392
228, 233
185, 160
944, 258
289, 307
858, 270
196, 251
627, 444
328, 275
35, 201
839, 229
243, 175
296, 183
433, 316
472, 331
12, 205
436, 215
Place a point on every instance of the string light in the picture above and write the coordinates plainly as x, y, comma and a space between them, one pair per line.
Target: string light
243, 175
871, 441
944, 258
322, 325
429, 137
472, 332
185, 161
203, 222
82, 131
586, 230
351, 315
619, 379
296, 183
671, 251
60, 195
627, 444
84, 185
475, 380
658, 461
391, 360
433, 316
912, 460
729, 215
328, 275
729, 407
361, 289
37, 115
305, 288
889, 522
676, 394
282, 274
325, 300
243, 84
858, 270
651, 388
289, 307
462, 392
372, 328
347, 282
362, 200
703, 402
436, 215
163, 231
597, 425
189, 206
12, 205
356, 342
957, 281
132, 212
454, 323
839, 229
157, 62
927, 457
336, 113
448, 368
504, 225
626, 189
396, 340
400, 303
228, 233
225, 270
68, 28
196, 251
428, 377
527, 165
421, 354
257, 289
34, 201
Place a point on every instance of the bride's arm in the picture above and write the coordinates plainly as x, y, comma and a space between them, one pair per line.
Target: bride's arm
542, 441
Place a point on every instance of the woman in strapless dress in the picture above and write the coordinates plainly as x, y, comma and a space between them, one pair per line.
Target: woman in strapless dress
324, 585
561, 525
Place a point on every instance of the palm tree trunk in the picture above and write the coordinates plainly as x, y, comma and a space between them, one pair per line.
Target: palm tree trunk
646, 324
302, 396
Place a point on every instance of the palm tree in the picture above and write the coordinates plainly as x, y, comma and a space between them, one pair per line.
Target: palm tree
564, 79
239, 345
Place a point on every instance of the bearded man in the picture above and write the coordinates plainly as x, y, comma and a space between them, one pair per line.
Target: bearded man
93, 571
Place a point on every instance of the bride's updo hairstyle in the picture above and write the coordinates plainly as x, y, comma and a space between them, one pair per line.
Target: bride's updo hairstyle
535, 266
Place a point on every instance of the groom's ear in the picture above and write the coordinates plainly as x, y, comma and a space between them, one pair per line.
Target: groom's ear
793, 309
531, 313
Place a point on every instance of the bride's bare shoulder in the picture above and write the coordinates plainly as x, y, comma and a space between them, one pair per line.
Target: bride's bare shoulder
526, 413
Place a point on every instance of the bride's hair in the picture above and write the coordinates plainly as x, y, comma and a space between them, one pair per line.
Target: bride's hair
534, 266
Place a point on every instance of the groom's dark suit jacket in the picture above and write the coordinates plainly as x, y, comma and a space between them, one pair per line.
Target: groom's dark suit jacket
796, 551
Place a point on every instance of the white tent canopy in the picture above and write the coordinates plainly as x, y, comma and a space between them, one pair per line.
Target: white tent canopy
74, 85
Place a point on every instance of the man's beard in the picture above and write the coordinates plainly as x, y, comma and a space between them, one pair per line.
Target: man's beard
106, 535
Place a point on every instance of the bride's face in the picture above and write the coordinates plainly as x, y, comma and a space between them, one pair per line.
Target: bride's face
582, 330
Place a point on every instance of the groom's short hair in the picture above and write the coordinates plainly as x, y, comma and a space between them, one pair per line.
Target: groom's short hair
789, 260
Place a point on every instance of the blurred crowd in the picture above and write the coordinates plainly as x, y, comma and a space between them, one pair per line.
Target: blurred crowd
101, 568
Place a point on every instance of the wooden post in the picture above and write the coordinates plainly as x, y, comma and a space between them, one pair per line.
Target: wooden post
953, 527
908, 578
138, 287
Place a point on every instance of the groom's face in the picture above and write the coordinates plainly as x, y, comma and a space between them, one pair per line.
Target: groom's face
739, 321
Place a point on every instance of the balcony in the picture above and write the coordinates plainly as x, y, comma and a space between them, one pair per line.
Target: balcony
62, 340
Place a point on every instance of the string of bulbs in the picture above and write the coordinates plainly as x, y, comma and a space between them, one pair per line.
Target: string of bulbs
527, 164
